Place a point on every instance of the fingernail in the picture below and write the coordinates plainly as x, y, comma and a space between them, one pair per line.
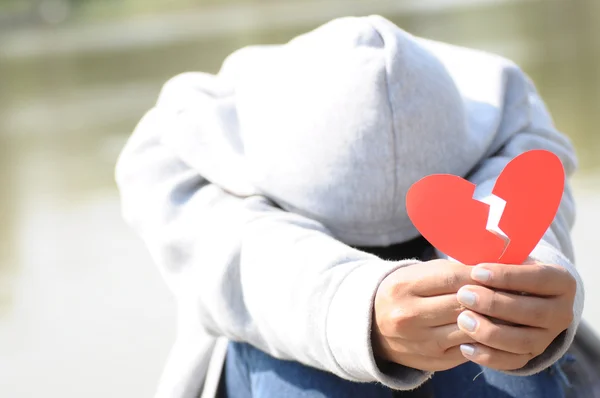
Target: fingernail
467, 349
481, 274
467, 322
466, 297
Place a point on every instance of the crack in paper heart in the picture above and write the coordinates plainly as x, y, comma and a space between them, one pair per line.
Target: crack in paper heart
496, 210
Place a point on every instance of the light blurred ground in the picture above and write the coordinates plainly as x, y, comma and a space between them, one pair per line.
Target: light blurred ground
586, 238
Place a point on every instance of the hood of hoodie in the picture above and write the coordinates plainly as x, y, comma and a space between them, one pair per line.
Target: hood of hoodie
335, 125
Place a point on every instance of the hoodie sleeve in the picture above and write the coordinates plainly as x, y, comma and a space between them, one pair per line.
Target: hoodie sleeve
248, 270
527, 125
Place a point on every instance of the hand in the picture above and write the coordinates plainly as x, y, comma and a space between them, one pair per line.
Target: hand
532, 321
415, 316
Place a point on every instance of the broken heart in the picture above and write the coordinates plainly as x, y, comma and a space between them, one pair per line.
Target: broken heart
442, 208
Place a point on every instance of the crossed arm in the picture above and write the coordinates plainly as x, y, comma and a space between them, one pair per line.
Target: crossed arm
279, 281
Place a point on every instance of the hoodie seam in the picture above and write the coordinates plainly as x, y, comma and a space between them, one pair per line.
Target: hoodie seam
393, 120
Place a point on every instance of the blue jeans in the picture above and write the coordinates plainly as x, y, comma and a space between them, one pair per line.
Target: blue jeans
250, 372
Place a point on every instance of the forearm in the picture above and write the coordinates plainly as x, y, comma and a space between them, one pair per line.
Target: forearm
250, 271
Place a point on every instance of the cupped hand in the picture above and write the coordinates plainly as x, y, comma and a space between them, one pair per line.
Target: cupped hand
415, 316
531, 320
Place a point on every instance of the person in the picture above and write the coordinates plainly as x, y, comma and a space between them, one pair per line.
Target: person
271, 195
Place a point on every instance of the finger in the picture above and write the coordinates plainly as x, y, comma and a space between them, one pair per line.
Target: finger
440, 277
536, 279
438, 362
454, 355
421, 313
439, 310
432, 343
523, 310
450, 336
494, 359
512, 339
453, 359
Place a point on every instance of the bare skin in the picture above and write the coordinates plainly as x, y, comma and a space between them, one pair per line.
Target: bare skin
437, 315
533, 320
415, 317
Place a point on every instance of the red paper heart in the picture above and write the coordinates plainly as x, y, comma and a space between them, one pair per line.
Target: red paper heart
442, 208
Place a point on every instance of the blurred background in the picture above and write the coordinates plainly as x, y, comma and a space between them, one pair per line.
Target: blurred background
83, 311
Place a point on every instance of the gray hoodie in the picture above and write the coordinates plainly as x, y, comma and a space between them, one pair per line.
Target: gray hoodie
249, 186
